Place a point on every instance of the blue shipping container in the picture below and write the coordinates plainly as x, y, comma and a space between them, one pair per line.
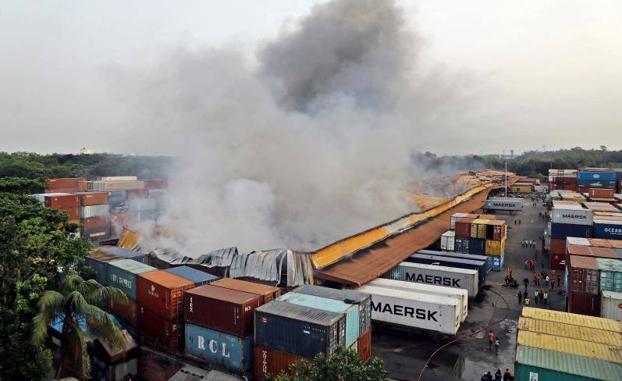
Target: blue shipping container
605, 184
496, 262
608, 229
198, 277
232, 352
460, 263
603, 176
477, 246
461, 244
331, 305
473, 257
561, 231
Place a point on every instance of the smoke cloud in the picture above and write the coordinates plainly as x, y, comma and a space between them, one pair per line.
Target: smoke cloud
312, 143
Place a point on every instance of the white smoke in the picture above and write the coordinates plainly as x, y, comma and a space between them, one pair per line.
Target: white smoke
312, 145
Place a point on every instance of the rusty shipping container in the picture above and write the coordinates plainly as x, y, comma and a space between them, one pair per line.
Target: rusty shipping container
584, 304
92, 198
73, 214
222, 309
160, 333
162, 292
127, 312
69, 184
267, 293
99, 222
65, 201
463, 227
364, 346
269, 361
583, 274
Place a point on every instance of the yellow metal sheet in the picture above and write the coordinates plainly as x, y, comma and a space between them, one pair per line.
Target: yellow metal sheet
570, 331
573, 319
570, 346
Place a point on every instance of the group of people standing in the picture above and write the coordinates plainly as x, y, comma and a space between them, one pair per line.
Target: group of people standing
528, 243
507, 376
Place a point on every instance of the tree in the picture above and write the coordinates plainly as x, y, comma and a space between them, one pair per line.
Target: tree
77, 299
344, 364
20, 185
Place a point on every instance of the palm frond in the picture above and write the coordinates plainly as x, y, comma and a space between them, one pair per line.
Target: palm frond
104, 295
39, 330
88, 287
76, 302
72, 282
101, 326
50, 305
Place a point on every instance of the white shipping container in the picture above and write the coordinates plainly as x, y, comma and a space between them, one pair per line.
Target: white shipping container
611, 305
419, 288
448, 240
438, 275
94, 211
504, 203
407, 309
118, 178
577, 241
454, 217
574, 215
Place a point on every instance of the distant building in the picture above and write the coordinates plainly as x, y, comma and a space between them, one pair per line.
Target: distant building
85, 151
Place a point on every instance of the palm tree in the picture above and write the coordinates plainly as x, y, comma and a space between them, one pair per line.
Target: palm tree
77, 300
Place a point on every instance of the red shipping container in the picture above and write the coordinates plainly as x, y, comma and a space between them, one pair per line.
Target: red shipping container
69, 183
584, 275
83, 186
588, 251
162, 292
272, 362
364, 346
558, 261
73, 214
267, 293
584, 304
463, 227
61, 202
137, 193
158, 332
583, 190
92, 198
558, 246
100, 222
222, 309
127, 312
154, 366
601, 193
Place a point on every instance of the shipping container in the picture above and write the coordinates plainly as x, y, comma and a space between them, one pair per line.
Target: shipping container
504, 203
577, 241
99, 262
265, 292
364, 346
94, 211
124, 253
407, 309
572, 173
611, 305
160, 333
588, 251
62, 201
572, 319
495, 248
127, 312
352, 324
439, 275
570, 346
496, 263
610, 274
562, 231
448, 240
92, 198
69, 184
301, 331
571, 215
584, 275
608, 229
496, 230
118, 178
587, 184
110, 185
463, 227
521, 188
197, 277
102, 222
480, 266
457, 216
461, 245
162, 292
596, 175
117, 198
534, 364
269, 361
473, 257
477, 246
583, 303
363, 301
601, 193
230, 351
222, 309
122, 274
570, 331
420, 288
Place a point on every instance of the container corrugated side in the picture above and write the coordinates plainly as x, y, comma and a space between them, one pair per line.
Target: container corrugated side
99, 263
268, 361
439, 275
160, 333
570, 331
351, 311
479, 265
570, 346
364, 346
122, 274
610, 274
94, 211
162, 292
232, 352
611, 305
267, 293
124, 253
573, 319
543, 365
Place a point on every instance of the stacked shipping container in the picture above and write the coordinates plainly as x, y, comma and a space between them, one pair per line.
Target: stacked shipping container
567, 220
482, 237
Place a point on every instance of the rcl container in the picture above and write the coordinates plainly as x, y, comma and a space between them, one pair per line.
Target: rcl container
232, 352
408, 309
162, 292
158, 332
266, 293
439, 275
92, 198
122, 274
584, 275
363, 301
198, 277
63, 201
269, 361
351, 327
225, 310
298, 330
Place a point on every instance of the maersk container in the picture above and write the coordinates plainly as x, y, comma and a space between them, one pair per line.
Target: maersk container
473, 257
363, 301
562, 231
607, 229
448, 240
408, 309
611, 305
504, 203
461, 263
439, 275
610, 274
351, 311
198, 277
460, 293
477, 246
534, 364
301, 331
122, 275
571, 215
232, 352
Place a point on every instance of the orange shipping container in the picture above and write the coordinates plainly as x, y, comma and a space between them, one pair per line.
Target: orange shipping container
93, 198
100, 222
62, 201
601, 192
267, 293
272, 362
364, 346
71, 184
162, 292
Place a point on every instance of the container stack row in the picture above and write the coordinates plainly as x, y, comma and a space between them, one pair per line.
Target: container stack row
482, 237
600, 184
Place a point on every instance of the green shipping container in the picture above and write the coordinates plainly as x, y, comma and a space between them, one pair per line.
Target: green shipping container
534, 364
610, 274
122, 275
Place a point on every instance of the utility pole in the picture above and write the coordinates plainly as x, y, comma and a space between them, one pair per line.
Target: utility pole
505, 176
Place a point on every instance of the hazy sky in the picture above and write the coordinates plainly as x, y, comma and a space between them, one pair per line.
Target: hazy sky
542, 72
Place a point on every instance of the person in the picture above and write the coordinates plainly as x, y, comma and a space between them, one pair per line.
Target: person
497, 343
541, 296
526, 301
498, 375
525, 294
552, 283
546, 280
526, 283
520, 297
535, 296
526, 264
487, 377
491, 339
546, 298
559, 280
510, 270
507, 376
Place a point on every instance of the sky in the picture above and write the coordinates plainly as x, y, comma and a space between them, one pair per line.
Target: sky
538, 74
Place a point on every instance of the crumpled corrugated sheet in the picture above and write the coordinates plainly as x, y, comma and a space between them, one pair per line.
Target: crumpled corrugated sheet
218, 258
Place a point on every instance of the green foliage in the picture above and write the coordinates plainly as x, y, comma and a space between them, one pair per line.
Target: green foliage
21, 185
35, 254
344, 365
